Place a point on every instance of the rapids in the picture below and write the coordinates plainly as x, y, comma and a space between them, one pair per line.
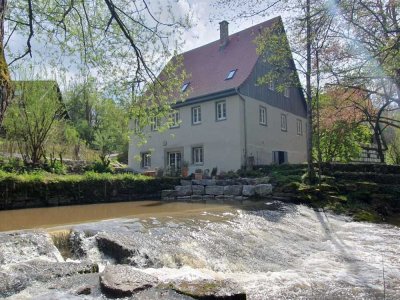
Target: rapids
279, 251
272, 250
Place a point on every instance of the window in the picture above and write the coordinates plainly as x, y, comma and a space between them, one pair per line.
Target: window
185, 86
155, 123
221, 110
145, 160
197, 155
280, 157
299, 127
287, 92
283, 122
272, 85
175, 119
263, 115
231, 74
138, 129
196, 115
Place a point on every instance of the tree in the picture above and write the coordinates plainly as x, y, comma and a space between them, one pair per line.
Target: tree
342, 130
33, 115
122, 41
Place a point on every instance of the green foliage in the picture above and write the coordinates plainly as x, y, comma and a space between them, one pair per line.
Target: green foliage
100, 167
33, 116
342, 142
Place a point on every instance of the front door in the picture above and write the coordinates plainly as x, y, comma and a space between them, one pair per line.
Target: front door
174, 161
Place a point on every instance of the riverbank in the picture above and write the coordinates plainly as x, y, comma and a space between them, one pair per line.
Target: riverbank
44, 189
365, 192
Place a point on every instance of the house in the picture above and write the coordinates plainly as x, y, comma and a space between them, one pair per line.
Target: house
227, 121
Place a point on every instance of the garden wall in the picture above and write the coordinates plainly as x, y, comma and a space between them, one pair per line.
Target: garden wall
81, 190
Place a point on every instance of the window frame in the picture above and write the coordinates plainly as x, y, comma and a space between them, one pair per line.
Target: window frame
155, 123
231, 74
262, 108
196, 155
176, 122
185, 86
283, 122
299, 122
198, 115
145, 160
217, 105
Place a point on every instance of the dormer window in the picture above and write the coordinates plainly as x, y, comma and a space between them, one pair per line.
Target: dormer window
185, 86
231, 74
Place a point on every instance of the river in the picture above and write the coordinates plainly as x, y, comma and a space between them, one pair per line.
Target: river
273, 250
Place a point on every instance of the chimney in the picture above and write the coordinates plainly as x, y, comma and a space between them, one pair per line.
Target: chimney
224, 34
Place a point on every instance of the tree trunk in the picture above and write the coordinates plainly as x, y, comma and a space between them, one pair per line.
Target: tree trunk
5, 81
310, 169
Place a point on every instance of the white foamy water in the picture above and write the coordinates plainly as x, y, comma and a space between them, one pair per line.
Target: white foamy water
279, 252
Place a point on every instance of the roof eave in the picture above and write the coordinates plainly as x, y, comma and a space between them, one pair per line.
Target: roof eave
205, 98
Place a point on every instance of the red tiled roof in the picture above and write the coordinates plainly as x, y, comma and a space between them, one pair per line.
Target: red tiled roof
208, 66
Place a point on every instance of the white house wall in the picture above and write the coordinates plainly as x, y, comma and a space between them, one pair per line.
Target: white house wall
263, 140
222, 141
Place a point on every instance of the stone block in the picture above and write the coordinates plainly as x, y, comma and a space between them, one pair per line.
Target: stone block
196, 198
262, 180
263, 190
214, 190
183, 190
168, 194
197, 190
208, 182
197, 182
183, 198
186, 182
233, 190
248, 190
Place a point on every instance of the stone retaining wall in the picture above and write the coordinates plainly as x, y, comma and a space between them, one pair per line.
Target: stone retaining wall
207, 189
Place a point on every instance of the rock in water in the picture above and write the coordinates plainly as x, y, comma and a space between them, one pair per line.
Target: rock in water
124, 281
16, 247
209, 289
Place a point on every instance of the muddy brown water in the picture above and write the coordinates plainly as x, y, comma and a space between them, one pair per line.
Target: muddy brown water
50, 217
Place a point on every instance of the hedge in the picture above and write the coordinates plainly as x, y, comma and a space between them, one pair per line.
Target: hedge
43, 189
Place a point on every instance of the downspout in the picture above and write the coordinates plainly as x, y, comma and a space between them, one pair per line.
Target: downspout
244, 125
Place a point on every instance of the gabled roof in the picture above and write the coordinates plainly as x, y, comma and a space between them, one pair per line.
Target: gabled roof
208, 65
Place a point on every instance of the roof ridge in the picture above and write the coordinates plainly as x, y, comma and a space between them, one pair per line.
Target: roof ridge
275, 19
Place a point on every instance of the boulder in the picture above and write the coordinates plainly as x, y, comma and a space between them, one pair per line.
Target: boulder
262, 180
11, 284
22, 246
196, 198
158, 293
263, 190
214, 190
233, 190
197, 182
248, 190
198, 190
168, 194
123, 281
209, 289
208, 182
186, 182
183, 190
19, 276
123, 250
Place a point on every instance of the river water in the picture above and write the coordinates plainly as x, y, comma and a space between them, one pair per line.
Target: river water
272, 250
